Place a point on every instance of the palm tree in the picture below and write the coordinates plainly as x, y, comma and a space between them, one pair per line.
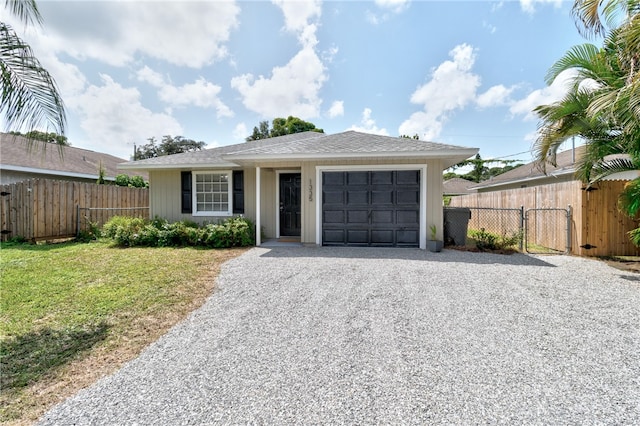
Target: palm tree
623, 16
597, 72
29, 96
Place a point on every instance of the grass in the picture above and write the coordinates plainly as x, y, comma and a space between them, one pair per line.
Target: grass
72, 313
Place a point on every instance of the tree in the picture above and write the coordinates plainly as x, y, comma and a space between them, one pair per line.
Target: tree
480, 171
603, 104
169, 146
29, 97
51, 137
281, 127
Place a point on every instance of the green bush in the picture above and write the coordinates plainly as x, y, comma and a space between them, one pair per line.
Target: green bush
122, 180
490, 241
129, 232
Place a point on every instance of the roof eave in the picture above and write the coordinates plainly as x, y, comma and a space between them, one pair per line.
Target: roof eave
35, 170
524, 180
191, 166
455, 156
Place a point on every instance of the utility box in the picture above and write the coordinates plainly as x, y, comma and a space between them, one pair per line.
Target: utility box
456, 222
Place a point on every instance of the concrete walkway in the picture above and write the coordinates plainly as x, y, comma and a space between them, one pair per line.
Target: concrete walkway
391, 336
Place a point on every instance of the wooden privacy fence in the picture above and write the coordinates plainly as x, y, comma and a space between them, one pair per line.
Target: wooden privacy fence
42, 209
597, 227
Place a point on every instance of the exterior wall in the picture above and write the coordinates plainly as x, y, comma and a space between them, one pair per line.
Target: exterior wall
165, 194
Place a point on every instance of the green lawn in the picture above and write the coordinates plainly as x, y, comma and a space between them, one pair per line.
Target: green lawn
62, 304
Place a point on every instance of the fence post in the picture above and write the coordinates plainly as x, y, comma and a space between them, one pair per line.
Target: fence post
77, 220
522, 231
569, 215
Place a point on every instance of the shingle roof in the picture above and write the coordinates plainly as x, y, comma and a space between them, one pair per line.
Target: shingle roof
458, 186
77, 162
349, 144
213, 156
565, 164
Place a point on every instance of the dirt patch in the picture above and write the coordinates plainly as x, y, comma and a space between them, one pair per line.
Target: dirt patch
475, 249
624, 263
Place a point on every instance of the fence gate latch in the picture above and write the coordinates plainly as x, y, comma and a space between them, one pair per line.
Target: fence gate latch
587, 246
5, 193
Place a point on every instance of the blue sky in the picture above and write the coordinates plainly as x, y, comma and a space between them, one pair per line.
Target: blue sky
460, 72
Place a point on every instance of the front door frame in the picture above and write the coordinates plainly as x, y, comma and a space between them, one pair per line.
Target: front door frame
278, 173
423, 192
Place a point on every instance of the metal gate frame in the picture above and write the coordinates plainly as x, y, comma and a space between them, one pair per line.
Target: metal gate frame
568, 213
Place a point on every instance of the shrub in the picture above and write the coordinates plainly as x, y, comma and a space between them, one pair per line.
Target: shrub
138, 182
490, 241
126, 231
122, 180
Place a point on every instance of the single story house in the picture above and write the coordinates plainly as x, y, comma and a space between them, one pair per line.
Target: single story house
20, 162
350, 188
531, 174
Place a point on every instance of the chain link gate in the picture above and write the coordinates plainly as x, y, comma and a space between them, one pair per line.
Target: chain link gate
547, 231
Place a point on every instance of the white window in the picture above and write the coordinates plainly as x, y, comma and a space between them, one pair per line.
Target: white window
212, 193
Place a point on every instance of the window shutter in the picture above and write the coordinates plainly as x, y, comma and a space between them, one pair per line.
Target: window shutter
238, 192
186, 189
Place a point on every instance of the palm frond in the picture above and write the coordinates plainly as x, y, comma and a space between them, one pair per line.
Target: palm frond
25, 10
28, 94
587, 15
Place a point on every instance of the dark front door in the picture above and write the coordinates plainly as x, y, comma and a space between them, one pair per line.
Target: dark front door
290, 197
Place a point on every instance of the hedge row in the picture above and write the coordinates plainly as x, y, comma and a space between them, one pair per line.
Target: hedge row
130, 232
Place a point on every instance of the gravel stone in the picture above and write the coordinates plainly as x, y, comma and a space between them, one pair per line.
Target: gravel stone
324, 335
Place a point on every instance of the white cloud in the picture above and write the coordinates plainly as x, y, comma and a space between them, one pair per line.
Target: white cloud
201, 93
388, 8
452, 86
240, 132
116, 32
297, 14
529, 6
292, 89
368, 125
496, 96
547, 95
336, 110
492, 28
395, 6
113, 118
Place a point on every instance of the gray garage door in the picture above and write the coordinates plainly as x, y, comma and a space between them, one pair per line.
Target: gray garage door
371, 208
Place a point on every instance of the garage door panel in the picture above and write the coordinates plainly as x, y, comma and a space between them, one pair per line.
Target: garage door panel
382, 197
357, 216
357, 236
333, 236
357, 178
334, 216
333, 197
382, 216
356, 197
407, 217
333, 179
409, 196
382, 237
382, 178
408, 237
371, 208
408, 177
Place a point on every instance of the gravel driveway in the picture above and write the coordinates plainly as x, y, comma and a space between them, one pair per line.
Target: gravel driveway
391, 336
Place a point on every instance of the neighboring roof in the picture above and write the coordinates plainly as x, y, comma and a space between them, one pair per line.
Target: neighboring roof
44, 158
312, 145
565, 165
458, 186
